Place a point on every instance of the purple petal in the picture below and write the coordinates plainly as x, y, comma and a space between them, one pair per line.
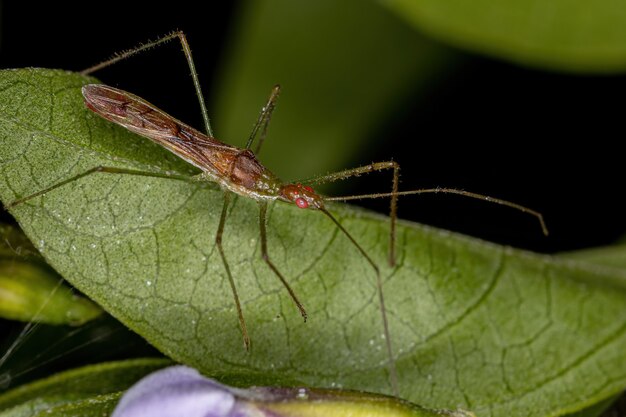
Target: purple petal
174, 392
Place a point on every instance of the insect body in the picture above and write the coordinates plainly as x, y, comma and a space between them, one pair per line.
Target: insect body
238, 171
235, 169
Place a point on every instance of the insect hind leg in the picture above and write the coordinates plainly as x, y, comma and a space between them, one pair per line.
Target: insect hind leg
152, 44
99, 169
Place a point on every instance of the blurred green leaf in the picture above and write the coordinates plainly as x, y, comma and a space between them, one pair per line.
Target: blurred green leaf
89, 391
611, 256
95, 390
344, 67
32, 291
596, 409
474, 325
564, 35
29, 292
14, 243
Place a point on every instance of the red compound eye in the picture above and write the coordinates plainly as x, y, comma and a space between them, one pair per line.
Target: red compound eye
309, 189
302, 203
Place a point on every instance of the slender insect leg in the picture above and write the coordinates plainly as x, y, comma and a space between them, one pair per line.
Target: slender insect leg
266, 258
151, 44
263, 121
218, 242
365, 169
102, 169
393, 375
261, 124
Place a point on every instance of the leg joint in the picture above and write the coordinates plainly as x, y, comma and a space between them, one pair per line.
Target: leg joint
385, 165
178, 33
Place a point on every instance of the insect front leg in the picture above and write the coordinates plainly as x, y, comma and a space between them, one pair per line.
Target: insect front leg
393, 374
365, 169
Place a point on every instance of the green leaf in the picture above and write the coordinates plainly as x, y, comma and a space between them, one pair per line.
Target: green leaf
340, 78
564, 35
14, 243
485, 328
31, 291
608, 260
95, 390
596, 409
89, 391
611, 256
96, 406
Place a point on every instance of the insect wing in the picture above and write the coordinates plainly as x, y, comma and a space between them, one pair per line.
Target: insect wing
141, 117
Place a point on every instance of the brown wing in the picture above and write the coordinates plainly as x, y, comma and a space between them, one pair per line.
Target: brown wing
141, 117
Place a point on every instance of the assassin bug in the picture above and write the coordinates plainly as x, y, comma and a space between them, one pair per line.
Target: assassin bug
238, 171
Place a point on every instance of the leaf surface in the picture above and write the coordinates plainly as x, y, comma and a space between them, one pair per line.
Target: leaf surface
96, 389
31, 291
564, 35
474, 325
89, 391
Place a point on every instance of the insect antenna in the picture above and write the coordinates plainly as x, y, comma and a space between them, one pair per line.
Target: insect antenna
393, 376
464, 193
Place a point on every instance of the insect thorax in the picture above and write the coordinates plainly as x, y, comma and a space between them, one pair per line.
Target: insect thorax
249, 178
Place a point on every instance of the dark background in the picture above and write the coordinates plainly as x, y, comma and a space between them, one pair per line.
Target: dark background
547, 140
